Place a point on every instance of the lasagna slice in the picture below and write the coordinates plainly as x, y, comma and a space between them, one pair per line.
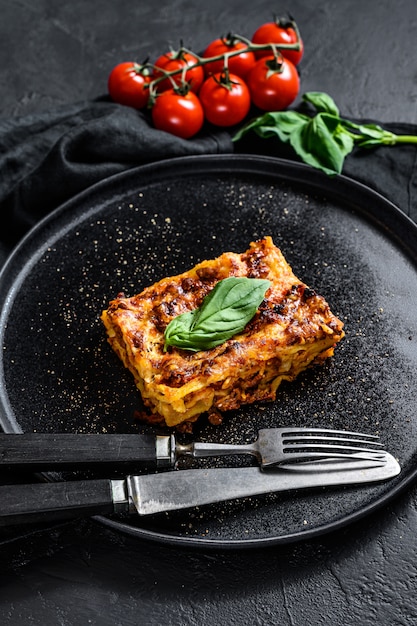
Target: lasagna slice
292, 329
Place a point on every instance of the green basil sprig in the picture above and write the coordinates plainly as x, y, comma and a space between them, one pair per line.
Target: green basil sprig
224, 312
324, 139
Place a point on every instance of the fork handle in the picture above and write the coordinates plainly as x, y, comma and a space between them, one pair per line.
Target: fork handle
37, 451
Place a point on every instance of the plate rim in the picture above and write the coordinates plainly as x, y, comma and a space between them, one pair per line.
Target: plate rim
392, 219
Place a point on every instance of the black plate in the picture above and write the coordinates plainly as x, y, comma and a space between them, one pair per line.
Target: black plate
58, 373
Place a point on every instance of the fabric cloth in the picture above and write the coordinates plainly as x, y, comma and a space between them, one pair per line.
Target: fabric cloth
48, 158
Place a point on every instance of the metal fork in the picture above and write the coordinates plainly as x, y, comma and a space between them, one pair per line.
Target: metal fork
278, 446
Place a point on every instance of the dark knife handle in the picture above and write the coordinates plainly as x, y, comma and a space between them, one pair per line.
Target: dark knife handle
45, 502
36, 451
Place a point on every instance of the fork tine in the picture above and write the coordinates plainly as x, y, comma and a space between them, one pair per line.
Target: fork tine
302, 438
329, 443
322, 462
304, 430
306, 456
293, 444
291, 448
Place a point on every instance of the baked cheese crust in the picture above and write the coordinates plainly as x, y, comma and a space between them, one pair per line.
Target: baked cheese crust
292, 329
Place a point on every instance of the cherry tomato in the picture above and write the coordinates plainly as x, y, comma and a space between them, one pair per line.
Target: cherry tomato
239, 64
273, 85
176, 113
127, 84
278, 32
172, 61
225, 98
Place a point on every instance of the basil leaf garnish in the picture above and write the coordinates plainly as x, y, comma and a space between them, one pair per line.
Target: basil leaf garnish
322, 139
322, 102
323, 143
224, 312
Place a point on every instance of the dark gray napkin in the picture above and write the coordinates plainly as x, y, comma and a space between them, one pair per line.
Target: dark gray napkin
48, 158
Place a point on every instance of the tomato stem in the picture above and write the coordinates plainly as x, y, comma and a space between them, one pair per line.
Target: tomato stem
201, 61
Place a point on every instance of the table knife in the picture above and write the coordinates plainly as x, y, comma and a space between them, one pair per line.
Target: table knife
149, 494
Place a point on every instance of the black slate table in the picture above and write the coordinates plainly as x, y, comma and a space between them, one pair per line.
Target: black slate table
77, 573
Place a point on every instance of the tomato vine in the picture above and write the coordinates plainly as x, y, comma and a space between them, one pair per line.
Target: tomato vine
231, 76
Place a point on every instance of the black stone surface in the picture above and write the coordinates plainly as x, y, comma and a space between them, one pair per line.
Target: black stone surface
363, 54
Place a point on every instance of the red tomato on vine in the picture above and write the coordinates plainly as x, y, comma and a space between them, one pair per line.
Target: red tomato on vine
127, 84
225, 98
240, 64
281, 31
273, 84
180, 114
172, 61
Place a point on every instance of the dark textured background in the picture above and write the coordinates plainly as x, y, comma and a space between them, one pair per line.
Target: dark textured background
364, 55
54, 53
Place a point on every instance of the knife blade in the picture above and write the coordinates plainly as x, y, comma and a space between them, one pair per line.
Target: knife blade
149, 494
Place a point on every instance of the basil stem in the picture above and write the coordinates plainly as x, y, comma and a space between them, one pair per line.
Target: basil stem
324, 139
224, 312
